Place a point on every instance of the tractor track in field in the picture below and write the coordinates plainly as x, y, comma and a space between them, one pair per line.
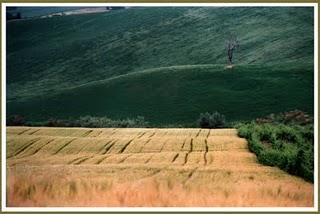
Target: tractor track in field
20, 133
39, 148
175, 157
19, 151
107, 147
64, 146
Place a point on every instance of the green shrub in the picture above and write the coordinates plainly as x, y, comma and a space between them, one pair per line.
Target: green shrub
94, 122
267, 133
288, 134
290, 118
53, 122
289, 147
305, 166
307, 133
215, 120
244, 130
104, 122
254, 144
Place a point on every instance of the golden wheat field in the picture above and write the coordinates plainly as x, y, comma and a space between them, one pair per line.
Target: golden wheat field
143, 167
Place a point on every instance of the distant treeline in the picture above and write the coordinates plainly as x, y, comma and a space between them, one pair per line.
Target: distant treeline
205, 120
85, 121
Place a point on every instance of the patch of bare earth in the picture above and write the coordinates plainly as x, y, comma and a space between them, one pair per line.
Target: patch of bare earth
143, 167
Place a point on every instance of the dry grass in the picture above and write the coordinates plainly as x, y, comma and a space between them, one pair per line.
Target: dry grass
142, 167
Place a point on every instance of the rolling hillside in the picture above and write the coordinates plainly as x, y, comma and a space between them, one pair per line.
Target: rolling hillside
166, 64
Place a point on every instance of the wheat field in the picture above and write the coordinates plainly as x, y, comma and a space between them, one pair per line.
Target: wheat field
130, 167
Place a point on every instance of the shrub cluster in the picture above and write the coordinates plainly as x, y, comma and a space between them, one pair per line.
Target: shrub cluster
215, 120
85, 121
100, 122
290, 117
290, 147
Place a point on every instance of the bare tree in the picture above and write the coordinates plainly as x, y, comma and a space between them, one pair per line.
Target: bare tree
231, 45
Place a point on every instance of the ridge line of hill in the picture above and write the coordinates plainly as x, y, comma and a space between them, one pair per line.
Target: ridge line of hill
145, 71
149, 71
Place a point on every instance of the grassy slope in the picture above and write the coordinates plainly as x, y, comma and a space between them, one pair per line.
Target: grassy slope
274, 73
178, 94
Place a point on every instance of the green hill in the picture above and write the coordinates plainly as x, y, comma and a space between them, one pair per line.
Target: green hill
166, 64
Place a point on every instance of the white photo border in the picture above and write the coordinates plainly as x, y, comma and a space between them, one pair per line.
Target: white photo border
156, 209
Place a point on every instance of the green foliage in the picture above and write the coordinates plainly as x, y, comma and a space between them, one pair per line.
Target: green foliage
167, 64
290, 117
100, 122
290, 147
95, 122
214, 120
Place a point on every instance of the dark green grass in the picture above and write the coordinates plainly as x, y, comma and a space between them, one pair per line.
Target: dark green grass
290, 147
166, 64
176, 95
46, 55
